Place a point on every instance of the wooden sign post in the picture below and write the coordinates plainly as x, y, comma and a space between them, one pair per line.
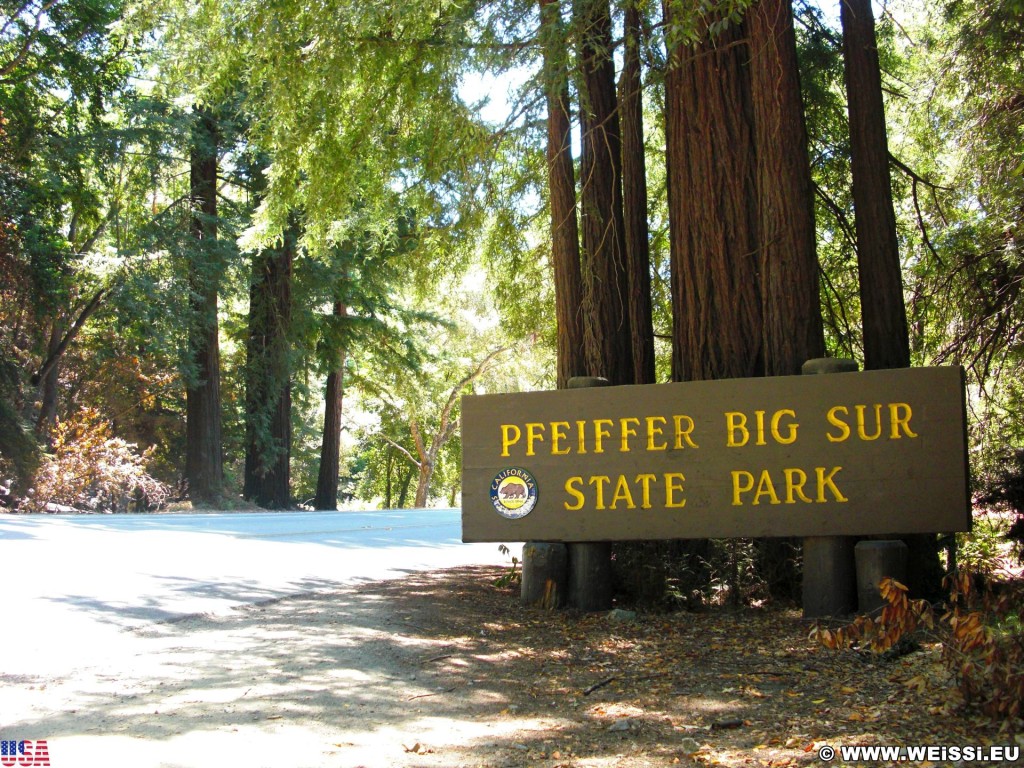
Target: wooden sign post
876, 452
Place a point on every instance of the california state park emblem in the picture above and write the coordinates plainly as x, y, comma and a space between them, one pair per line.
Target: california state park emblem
514, 493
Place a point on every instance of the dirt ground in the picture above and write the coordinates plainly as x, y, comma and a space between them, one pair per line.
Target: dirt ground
446, 669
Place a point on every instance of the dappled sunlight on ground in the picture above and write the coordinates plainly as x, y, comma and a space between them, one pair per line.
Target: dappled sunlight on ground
440, 670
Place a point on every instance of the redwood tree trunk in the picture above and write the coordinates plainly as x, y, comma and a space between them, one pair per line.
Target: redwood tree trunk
886, 337
790, 301
634, 202
565, 238
607, 335
330, 448
884, 314
716, 303
268, 379
203, 457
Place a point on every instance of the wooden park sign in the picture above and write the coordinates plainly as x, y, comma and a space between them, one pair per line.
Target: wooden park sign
878, 452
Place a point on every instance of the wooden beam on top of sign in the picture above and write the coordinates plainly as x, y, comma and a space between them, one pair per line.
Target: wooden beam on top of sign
875, 452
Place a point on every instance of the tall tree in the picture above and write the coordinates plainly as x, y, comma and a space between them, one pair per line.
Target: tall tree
884, 315
203, 451
607, 335
788, 263
330, 448
716, 303
634, 200
268, 376
565, 244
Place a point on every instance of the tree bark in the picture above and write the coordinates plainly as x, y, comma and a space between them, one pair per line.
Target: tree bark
565, 239
48, 386
790, 300
203, 457
607, 334
330, 448
425, 466
634, 202
884, 314
716, 303
886, 337
268, 378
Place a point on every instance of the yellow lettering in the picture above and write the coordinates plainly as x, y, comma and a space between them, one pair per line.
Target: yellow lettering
835, 421
627, 432
572, 490
736, 424
581, 431
534, 433
645, 485
684, 430
557, 435
765, 488
791, 436
600, 434
652, 431
622, 493
900, 421
861, 433
738, 489
510, 435
795, 481
826, 481
760, 429
674, 483
599, 482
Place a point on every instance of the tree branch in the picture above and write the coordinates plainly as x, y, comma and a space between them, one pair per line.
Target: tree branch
457, 389
840, 214
10, 66
83, 316
401, 448
414, 427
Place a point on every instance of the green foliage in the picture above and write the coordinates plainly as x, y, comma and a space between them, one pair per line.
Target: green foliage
365, 94
1004, 490
19, 453
513, 576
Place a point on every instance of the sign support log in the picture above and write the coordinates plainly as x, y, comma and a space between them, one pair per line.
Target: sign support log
545, 574
877, 560
829, 576
590, 563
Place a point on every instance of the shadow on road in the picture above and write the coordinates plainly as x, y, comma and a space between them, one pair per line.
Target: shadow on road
373, 674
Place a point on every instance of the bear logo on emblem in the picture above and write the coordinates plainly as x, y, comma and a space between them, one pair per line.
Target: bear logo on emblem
513, 493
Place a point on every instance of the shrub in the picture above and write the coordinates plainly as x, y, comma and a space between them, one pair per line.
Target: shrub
981, 634
91, 470
1005, 490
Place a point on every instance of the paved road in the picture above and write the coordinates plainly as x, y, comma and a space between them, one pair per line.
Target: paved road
77, 581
